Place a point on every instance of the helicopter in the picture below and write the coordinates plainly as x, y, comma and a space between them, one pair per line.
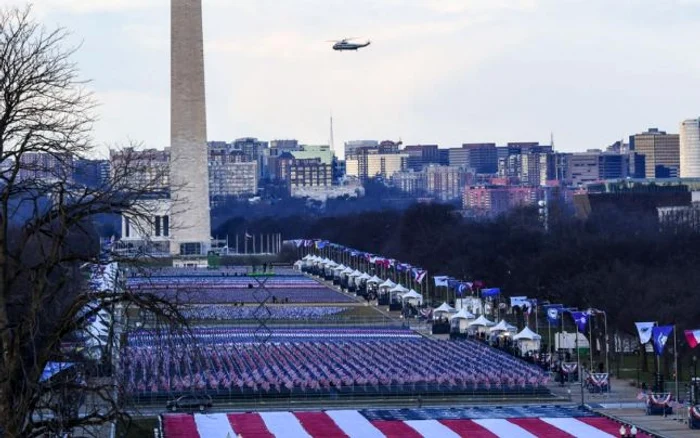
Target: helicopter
344, 44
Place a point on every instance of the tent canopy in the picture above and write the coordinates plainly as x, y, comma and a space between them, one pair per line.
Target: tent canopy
339, 268
502, 326
388, 283
412, 295
356, 273
481, 321
445, 308
365, 276
374, 279
462, 314
398, 288
347, 271
527, 334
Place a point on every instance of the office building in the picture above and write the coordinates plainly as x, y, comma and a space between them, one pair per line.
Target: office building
353, 146
149, 168
689, 138
322, 152
420, 156
42, 167
483, 157
91, 173
444, 182
583, 168
661, 152
310, 172
373, 164
410, 182
231, 176
458, 157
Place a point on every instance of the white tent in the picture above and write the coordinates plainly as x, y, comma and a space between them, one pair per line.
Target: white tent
347, 271
527, 334
462, 314
387, 284
365, 276
298, 264
412, 295
399, 289
375, 280
307, 257
461, 319
444, 308
481, 321
357, 273
339, 268
528, 340
502, 326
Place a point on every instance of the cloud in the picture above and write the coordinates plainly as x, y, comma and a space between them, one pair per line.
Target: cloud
93, 6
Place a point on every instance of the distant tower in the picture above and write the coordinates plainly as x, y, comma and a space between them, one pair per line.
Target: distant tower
332, 140
690, 148
189, 178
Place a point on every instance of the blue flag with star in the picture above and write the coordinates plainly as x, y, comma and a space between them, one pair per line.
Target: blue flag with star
659, 335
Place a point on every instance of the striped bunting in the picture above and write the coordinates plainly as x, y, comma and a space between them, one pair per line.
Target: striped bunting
352, 424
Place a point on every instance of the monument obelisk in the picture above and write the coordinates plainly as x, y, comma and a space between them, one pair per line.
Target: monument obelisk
189, 173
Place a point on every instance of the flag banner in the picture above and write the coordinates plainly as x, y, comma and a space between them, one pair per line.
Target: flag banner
554, 312
644, 330
660, 335
693, 337
441, 280
581, 320
569, 367
462, 288
518, 301
419, 275
491, 292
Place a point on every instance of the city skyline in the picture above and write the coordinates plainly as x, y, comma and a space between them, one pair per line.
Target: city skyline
536, 67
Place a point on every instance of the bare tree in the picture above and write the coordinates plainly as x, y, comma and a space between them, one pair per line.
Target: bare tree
47, 236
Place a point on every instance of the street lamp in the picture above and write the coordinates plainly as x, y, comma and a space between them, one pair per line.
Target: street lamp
694, 382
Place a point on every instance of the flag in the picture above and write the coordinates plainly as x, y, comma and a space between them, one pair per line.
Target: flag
518, 301
441, 280
644, 330
554, 312
659, 336
491, 292
693, 337
248, 236
462, 287
581, 320
419, 275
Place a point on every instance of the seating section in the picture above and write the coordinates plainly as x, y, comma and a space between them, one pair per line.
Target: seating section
212, 289
407, 423
310, 360
289, 312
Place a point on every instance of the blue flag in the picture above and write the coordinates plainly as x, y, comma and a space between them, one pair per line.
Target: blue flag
659, 336
492, 292
581, 320
554, 312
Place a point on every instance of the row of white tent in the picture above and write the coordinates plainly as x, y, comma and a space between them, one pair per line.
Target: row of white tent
383, 285
483, 323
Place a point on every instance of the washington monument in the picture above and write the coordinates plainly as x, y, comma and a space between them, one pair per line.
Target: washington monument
189, 177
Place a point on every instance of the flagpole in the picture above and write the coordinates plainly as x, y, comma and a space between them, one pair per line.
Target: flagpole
675, 353
549, 331
578, 362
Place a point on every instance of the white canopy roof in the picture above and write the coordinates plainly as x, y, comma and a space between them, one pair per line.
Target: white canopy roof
445, 308
298, 263
307, 257
527, 334
347, 271
481, 321
412, 294
364, 276
462, 314
398, 288
357, 273
340, 268
374, 279
329, 263
502, 326
388, 283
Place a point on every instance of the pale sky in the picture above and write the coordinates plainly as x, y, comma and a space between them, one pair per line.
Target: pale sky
438, 71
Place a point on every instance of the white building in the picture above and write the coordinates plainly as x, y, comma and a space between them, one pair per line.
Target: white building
690, 148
